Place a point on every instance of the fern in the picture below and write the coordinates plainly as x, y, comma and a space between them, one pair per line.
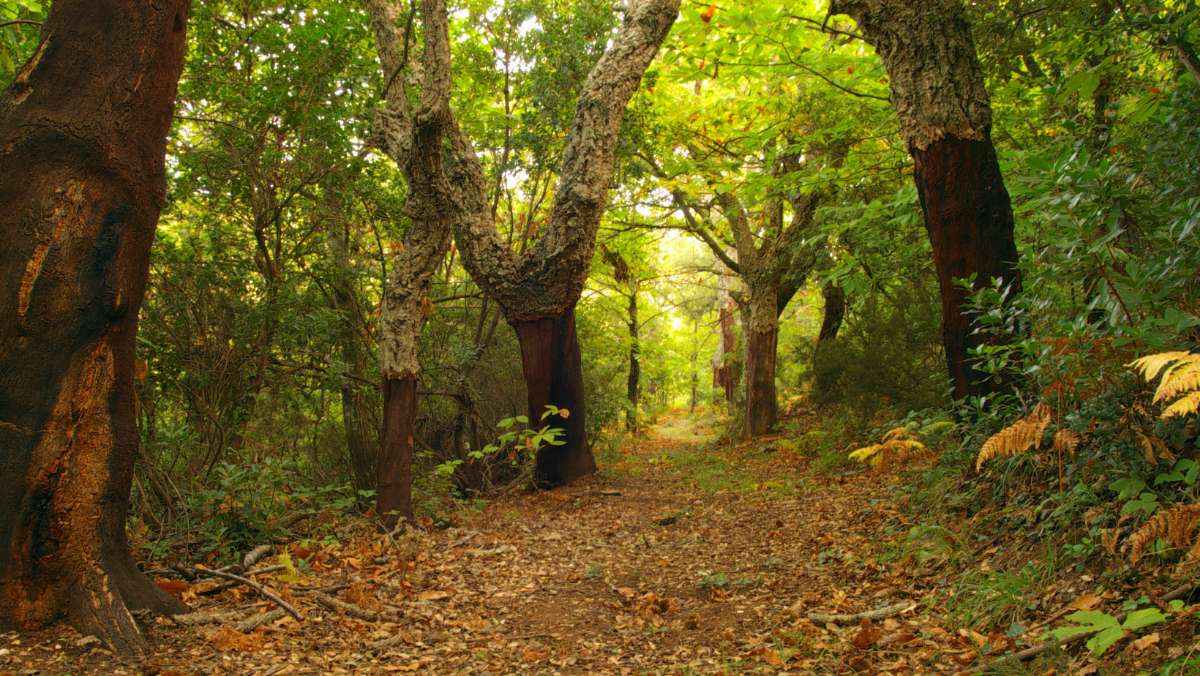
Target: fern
1018, 437
1176, 525
1180, 373
899, 447
1066, 441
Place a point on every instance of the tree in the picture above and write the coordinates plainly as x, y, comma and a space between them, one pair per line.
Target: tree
945, 119
537, 289
83, 130
414, 139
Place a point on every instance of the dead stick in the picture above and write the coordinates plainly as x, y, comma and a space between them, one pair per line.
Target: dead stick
878, 614
256, 587
357, 612
1034, 651
255, 621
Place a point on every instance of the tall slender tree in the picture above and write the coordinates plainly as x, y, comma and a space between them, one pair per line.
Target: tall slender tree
414, 139
946, 121
537, 290
82, 142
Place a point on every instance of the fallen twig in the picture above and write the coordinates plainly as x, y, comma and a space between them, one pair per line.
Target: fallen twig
255, 555
877, 614
357, 612
1033, 651
212, 617
267, 593
233, 583
255, 621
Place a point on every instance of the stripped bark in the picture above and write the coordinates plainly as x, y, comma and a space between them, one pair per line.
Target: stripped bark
414, 140
537, 289
946, 120
82, 142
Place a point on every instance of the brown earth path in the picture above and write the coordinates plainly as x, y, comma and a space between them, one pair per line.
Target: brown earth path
682, 556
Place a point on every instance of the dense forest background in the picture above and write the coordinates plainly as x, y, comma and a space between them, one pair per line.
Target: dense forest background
763, 144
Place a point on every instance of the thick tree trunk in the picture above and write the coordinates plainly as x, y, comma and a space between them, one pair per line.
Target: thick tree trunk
393, 499
970, 224
633, 384
553, 371
761, 408
82, 140
945, 118
762, 336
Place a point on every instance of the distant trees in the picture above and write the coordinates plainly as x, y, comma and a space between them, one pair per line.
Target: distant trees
82, 141
946, 121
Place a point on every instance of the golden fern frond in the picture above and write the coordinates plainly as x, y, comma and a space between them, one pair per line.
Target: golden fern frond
897, 433
1186, 406
1176, 525
1018, 437
1180, 378
1150, 365
1066, 441
892, 452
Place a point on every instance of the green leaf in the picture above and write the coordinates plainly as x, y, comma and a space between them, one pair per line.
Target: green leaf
1101, 642
1143, 618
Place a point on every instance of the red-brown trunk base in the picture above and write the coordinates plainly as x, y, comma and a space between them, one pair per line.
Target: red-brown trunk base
393, 497
553, 371
968, 217
761, 408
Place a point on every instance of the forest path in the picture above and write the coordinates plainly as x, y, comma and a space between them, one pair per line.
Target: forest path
684, 555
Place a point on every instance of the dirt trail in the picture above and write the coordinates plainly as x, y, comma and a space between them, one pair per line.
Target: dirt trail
682, 556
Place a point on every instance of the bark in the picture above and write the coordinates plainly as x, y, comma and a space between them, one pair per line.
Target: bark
762, 336
414, 140
553, 369
82, 142
393, 498
537, 289
945, 118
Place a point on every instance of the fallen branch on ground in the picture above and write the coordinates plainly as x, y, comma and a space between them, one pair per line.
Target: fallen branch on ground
266, 593
357, 612
877, 614
255, 621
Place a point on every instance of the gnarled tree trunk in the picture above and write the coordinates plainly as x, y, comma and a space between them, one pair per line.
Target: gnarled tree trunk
82, 141
762, 337
945, 118
538, 290
413, 139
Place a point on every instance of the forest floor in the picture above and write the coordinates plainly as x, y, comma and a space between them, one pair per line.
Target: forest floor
684, 555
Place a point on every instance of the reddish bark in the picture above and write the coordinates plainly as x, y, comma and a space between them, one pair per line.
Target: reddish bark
394, 487
969, 219
553, 371
82, 143
761, 409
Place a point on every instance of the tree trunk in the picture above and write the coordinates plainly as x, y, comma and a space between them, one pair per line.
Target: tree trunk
970, 224
762, 335
824, 378
945, 118
553, 371
82, 141
633, 384
394, 487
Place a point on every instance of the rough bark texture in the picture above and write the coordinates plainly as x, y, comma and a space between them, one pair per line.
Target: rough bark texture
394, 485
832, 315
553, 372
761, 408
540, 287
82, 142
945, 118
414, 140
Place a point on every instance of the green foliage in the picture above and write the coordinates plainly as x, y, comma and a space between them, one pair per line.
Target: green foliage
1105, 629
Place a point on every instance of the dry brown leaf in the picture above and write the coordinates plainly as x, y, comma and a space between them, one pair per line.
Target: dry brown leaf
1145, 642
